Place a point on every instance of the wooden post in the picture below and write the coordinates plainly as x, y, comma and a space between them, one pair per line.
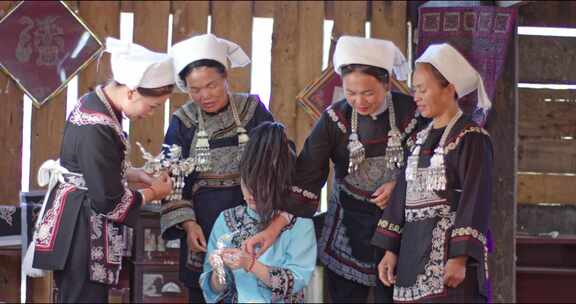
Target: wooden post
232, 20
190, 19
153, 35
11, 108
284, 72
503, 128
309, 59
350, 18
388, 22
92, 12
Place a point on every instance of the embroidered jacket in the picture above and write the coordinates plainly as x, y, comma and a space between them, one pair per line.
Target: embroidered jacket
291, 260
425, 229
206, 194
344, 246
94, 146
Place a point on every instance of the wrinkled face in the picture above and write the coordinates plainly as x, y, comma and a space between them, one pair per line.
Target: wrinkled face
430, 96
138, 106
208, 88
364, 92
248, 197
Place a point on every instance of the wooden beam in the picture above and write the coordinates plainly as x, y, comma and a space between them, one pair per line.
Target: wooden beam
127, 6
536, 154
92, 12
545, 59
502, 126
11, 108
284, 72
153, 35
350, 18
232, 20
547, 113
264, 9
542, 188
547, 13
190, 19
388, 21
309, 60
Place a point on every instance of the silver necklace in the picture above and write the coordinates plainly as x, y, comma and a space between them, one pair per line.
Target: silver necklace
432, 178
202, 148
394, 156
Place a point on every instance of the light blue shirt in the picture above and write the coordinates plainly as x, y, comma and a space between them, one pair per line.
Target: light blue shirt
291, 260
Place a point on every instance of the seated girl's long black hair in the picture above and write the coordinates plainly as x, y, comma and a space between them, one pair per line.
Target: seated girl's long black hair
267, 167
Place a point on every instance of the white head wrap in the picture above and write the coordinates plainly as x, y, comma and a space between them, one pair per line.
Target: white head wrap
375, 52
457, 70
206, 46
136, 66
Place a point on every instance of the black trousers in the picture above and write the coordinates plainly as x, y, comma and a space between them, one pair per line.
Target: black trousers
195, 295
73, 282
343, 290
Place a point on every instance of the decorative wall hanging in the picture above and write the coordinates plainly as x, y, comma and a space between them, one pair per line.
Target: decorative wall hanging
481, 33
44, 45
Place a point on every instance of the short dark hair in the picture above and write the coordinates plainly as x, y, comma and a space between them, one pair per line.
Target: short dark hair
209, 63
267, 168
380, 74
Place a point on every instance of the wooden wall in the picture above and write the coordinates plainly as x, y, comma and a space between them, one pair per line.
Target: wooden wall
547, 117
296, 60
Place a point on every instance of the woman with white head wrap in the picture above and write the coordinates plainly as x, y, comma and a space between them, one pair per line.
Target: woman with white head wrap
364, 135
87, 193
213, 129
435, 234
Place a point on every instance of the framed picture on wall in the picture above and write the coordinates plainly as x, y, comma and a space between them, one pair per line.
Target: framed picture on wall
44, 45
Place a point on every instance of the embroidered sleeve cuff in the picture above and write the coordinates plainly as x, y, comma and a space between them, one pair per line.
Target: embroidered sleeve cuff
227, 295
281, 283
387, 236
469, 242
302, 203
172, 214
127, 210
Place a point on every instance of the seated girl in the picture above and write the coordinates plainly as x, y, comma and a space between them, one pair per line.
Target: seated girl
281, 273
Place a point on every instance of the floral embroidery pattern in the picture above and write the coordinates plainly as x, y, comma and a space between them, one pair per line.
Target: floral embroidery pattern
46, 234
6, 213
419, 214
385, 225
477, 235
121, 210
336, 120
281, 283
304, 193
431, 282
106, 247
454, 143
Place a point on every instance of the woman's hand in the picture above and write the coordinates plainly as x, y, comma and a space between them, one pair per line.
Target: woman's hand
382, 195
260, 242
139, 176
455, 271
161, 186
236, 258
386, 268
194, 236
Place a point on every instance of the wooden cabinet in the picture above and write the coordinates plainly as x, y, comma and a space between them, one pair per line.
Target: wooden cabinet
154, 275
546, 269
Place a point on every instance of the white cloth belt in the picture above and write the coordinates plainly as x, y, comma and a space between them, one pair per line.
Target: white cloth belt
50, 173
